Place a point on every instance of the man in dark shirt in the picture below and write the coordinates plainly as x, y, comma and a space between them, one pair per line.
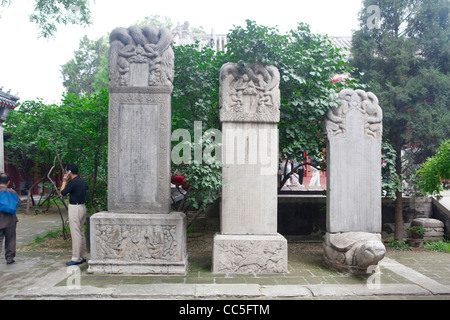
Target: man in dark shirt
8, 223
76, 188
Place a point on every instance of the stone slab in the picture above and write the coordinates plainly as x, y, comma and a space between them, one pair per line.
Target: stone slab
428, 223
354, 132
324, 290
139, 150
247, 254
249, 196
414, 276
166, 291
58, 292
138, 243
285, 291
227, 291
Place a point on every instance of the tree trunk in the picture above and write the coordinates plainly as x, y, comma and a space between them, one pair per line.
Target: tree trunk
30, 194
398, 232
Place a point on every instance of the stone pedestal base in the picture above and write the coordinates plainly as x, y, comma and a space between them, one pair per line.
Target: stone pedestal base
353, 252
434, 229
125, 243
244, 254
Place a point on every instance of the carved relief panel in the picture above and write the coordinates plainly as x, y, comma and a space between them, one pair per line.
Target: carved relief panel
136, 242
141, 56
364, 103
250, 95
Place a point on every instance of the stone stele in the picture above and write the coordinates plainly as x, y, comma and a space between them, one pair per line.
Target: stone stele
139, 234
249, 111
354, 131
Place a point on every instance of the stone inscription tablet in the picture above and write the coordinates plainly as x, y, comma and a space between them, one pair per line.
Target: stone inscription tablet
138, 152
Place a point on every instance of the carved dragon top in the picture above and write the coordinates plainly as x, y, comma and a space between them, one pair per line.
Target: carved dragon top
250, 94
358, 100
141, 45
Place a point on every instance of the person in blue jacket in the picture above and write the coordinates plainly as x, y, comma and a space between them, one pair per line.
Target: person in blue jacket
8, 222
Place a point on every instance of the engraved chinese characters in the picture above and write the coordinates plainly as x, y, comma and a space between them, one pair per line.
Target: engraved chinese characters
139, 234
354, 130
250, 112
141, 70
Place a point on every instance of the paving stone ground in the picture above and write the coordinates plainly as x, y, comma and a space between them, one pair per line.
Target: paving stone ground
403, 275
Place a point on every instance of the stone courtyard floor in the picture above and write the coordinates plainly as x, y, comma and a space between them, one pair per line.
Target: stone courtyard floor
403, 275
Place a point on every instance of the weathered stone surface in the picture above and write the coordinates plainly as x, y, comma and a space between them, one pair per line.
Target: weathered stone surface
252, 95
141, 71
137, 234
249, 242
141, 66
354, 163
139, 150
428, 223
249, 197
141, 56
353, 252
138, 243
434, 228
354, 131
243, 254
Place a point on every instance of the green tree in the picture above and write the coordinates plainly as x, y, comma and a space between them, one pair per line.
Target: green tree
75, 131
196, 87
87, 71
195, 101
306, 62
399, 64
23, 141
86, 132
50, 13
435, 170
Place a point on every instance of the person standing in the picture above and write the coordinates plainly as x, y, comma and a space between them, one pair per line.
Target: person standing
76, 188
8, 222
315, 180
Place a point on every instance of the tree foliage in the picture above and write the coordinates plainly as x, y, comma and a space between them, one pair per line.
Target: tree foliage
306, 62
405, 63
404, 60
50, 13
391, 181
435, 170
87, 71
75, 130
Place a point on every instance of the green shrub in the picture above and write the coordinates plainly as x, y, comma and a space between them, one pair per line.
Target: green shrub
416, 232
397, 244
440, 245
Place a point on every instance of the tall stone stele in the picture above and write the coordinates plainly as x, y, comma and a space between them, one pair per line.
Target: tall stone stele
354, 130
249, 111
139, 234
